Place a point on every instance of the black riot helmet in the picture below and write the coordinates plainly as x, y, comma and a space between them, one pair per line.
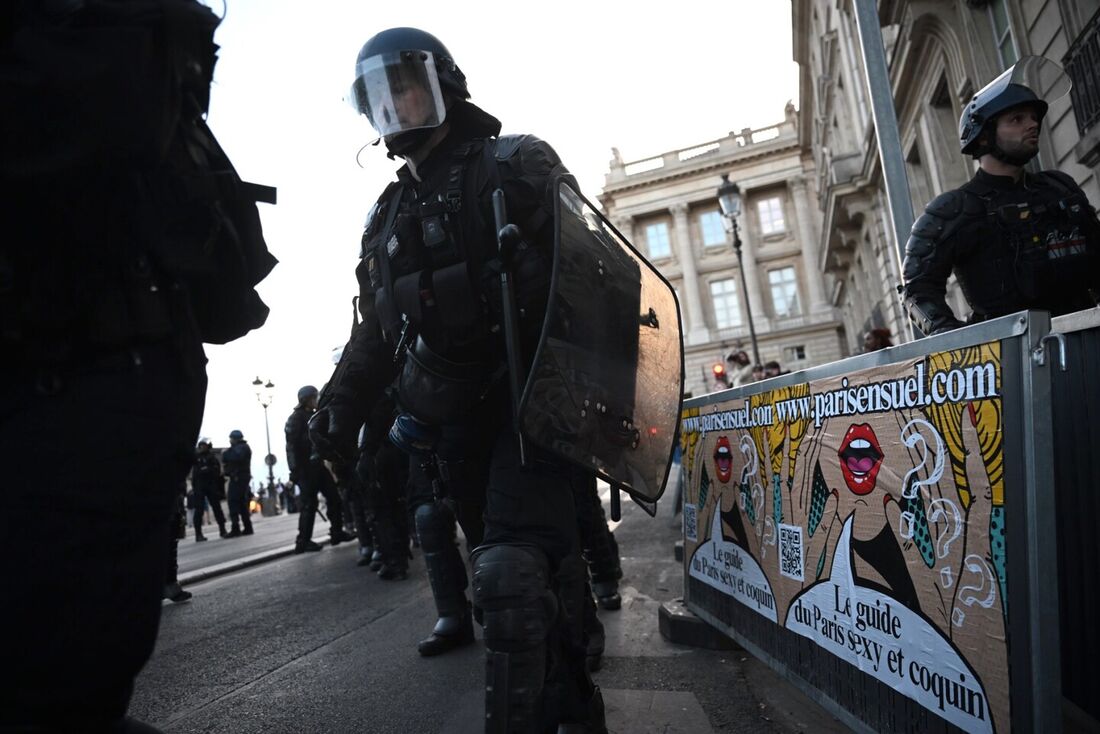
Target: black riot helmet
401, 78
1016, 86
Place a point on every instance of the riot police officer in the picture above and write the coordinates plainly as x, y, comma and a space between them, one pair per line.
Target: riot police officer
207, 486
428, 278
309, 472
237, 460
1015, 240
128, 241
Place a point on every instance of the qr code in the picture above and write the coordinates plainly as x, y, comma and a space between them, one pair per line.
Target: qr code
790, 552
691, 529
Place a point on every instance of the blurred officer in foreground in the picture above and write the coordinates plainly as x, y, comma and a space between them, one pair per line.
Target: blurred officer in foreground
1015, 240
128, 241
430, 296
309, 472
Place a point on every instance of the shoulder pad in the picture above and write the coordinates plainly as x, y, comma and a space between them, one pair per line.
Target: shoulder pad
1060, 180
508, 145
947, 205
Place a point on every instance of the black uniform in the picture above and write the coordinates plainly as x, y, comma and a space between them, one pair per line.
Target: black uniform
383, 471
438, 232
238, 467
1013, 245
309, 472
207, 486
119, 220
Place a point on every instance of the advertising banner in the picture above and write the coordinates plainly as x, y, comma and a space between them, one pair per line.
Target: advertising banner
865, 513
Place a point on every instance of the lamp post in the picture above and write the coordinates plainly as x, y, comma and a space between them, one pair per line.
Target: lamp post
729, 200
264, 394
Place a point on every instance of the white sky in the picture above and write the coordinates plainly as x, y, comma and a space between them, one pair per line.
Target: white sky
585, 77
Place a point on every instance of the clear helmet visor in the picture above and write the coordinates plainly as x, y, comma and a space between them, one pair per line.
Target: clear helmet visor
1045, 78
398, 91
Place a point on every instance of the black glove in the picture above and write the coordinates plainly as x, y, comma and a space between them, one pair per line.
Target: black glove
333, 431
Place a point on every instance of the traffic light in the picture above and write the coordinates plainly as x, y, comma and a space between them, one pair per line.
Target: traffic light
720, 375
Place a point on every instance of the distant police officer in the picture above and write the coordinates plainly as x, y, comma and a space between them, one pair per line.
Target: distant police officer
207, 486
1014, 239
430, 279
309, 472
237, 460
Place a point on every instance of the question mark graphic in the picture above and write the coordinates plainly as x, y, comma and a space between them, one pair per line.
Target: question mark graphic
912, 437
977, 565
938, 513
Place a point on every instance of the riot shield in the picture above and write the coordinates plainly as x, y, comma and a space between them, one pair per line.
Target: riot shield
605, 386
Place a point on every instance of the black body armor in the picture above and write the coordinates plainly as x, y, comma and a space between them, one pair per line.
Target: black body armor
429, 274
1032, 244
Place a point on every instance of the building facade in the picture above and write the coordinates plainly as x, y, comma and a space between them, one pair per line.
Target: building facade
667, 206
939, 52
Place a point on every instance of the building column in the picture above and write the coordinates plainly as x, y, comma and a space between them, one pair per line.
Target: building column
814, 278
760, 319
697, 327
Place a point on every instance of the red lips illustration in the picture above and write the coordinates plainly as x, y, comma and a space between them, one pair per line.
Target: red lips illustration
723, 460
860, 458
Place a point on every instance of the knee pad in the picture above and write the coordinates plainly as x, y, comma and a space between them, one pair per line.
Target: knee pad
512, 589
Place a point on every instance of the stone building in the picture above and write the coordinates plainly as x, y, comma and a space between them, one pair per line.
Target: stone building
939, 53
667, 207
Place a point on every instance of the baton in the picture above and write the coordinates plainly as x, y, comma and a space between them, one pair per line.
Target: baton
508, 237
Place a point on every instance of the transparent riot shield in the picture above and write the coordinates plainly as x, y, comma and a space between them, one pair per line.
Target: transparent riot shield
605, 387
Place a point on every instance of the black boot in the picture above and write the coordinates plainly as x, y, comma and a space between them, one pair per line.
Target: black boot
304, 546
449, 633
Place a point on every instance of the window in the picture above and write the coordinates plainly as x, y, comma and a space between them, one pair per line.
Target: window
784, 287
727, 309
1002, 33
795, 353
770, 212
656, 238
710, 224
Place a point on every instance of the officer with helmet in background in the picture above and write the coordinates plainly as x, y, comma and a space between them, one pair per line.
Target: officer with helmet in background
309, 472
237, 460
1016, 240
431, 312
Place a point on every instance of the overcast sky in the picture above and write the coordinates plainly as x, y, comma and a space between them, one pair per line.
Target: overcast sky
584, 76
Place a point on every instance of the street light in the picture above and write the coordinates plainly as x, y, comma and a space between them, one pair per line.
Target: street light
265, 392
729, 200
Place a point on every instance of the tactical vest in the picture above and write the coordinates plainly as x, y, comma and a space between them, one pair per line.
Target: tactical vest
429, 258
1040, 248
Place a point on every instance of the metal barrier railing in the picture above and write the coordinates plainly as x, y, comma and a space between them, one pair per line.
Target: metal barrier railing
881, 530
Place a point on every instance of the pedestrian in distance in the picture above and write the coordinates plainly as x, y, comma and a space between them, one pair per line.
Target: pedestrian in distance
1015, 239
877, 339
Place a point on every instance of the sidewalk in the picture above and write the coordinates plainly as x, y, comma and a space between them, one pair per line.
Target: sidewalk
273, 538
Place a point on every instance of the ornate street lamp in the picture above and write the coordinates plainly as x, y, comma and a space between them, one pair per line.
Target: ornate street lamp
265, 392
729, 200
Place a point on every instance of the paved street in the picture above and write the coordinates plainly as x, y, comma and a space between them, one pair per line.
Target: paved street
313, 643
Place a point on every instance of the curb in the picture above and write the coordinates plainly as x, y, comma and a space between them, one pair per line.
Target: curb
238, 564
679, 625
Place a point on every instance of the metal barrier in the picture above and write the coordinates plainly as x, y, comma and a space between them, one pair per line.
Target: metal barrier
880, 531
1075, 406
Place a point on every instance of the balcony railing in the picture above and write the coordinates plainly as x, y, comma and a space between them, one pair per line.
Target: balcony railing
1082, 64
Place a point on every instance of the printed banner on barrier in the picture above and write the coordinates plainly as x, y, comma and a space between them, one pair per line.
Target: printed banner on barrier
866, 513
